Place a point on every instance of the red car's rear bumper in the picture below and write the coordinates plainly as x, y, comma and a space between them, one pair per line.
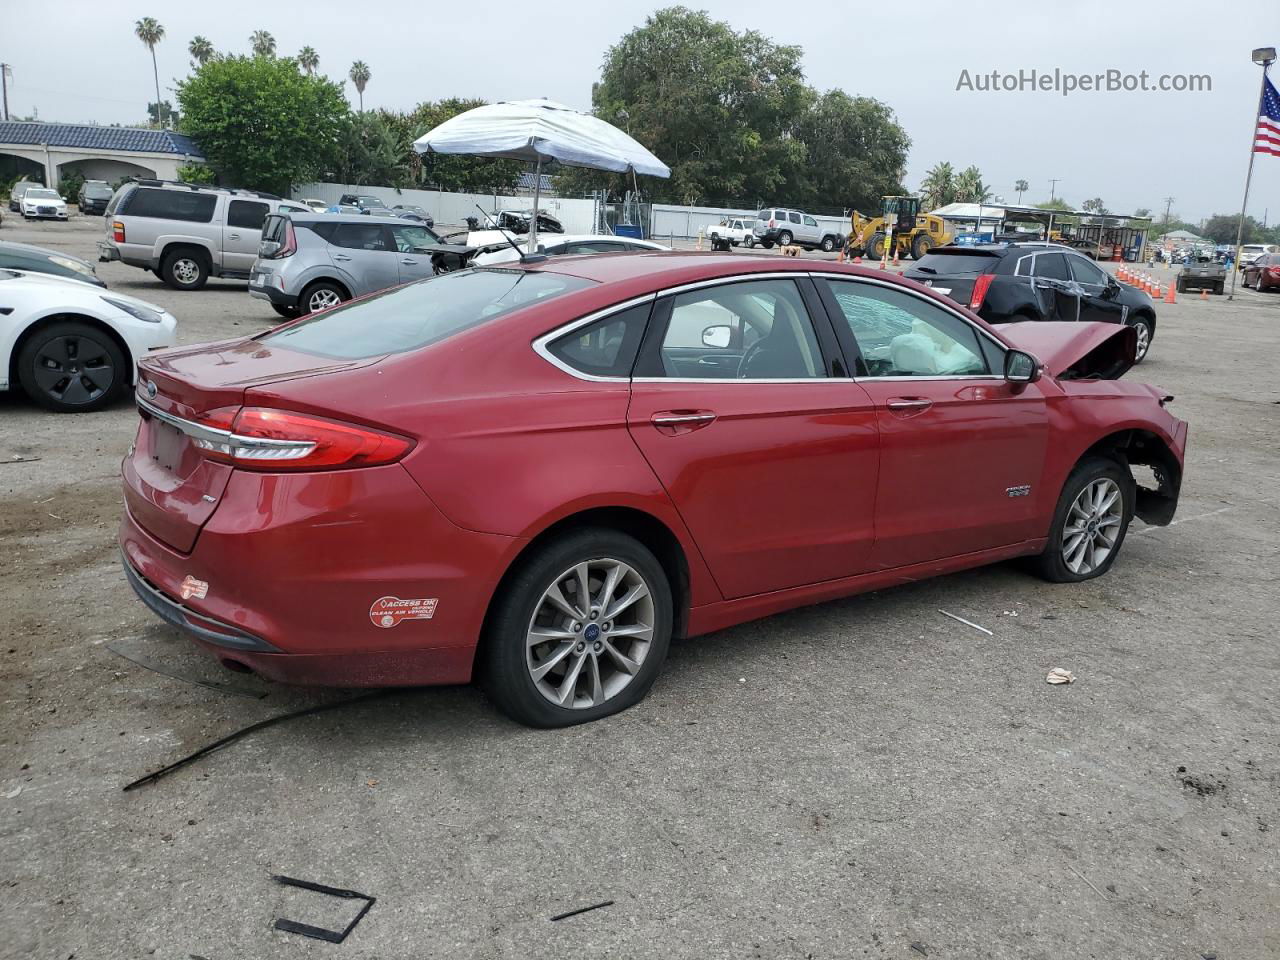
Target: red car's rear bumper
310, 578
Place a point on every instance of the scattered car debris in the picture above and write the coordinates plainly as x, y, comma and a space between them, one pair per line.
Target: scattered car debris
320, 933
920, 948
20, 459
574, 913
1088, 881
14, 792
967, 623
165, 672
244, 732
1058, 675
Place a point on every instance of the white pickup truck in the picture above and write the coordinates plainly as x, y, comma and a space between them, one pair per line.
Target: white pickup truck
731, 232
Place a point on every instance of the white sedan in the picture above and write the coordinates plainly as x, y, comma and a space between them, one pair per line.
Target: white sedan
561, 244
73, 346
43, 203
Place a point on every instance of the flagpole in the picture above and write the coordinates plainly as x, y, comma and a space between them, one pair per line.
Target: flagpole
1253, 138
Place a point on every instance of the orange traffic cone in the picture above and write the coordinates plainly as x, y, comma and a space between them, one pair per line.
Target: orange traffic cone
1172, 297
1155, 293
857, 259
882, 264
895, 256
1204, 293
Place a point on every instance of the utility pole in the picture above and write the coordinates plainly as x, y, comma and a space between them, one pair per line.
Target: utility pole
5, 73
1052, 187
1168, 202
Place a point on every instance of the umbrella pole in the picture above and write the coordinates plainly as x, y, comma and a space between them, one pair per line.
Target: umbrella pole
533, 222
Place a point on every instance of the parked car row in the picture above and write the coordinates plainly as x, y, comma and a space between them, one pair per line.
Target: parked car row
1263, 272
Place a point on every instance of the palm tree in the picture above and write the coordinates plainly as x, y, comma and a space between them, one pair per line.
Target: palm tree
938, 186
264, 44
1021, 186
308, 60
360, 76
201, 50
970, 188
149, 31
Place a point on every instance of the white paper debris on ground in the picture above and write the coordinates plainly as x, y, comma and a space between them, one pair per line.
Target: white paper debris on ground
1058, 675
967, 623
14, 792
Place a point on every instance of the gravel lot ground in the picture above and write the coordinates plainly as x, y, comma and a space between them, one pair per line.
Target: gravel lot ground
863, 778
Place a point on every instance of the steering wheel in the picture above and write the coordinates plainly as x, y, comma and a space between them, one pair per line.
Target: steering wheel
747, 356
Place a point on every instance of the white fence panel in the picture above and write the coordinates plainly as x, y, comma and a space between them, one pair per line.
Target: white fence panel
452, 209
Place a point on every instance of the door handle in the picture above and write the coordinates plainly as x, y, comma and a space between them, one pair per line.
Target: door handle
909, 404
341, 256
408, 261
235, 236
675, 422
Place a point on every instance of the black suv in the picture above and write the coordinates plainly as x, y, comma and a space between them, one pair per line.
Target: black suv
93, 196
1009, 283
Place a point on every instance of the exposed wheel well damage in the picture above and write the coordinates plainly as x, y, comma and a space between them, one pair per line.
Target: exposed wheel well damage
1155, 505
646, 528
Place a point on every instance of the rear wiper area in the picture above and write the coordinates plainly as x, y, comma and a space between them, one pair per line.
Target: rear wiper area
927, 270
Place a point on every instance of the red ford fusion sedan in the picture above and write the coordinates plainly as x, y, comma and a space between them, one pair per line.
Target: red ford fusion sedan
536, 475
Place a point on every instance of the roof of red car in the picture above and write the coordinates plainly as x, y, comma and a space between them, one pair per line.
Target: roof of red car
666, 269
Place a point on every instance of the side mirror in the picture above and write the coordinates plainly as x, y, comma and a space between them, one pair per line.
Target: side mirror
1020, 367
717, 336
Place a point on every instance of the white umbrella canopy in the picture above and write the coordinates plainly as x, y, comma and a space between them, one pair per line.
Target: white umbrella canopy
537, 131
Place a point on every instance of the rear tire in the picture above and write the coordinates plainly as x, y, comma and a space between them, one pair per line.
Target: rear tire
72, 367
1088, 528
286, 312
184, 270
585, 660
785, 238
321, 295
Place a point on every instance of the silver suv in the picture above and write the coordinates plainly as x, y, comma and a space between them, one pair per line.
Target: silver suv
309, 262
186, 233
785, 227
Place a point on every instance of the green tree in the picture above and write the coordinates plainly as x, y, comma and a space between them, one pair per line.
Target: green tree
970, 188
1095, 205
201, 51
1142, 212
360, 77
717, 106
1022, 187
162, 114
938, 187
261, 122
371, 150
196, 173
1056, 204
264, 44
855, 154
150, 32
1221, 228
308, 60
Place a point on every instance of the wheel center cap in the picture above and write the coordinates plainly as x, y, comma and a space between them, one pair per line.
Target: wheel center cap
592, 633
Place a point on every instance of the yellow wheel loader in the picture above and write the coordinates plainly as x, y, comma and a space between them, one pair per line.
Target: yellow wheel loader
914, 233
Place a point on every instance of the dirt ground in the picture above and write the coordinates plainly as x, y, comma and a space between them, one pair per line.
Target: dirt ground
862, 778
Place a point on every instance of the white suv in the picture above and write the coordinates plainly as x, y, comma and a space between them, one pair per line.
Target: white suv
786, 227
186, 233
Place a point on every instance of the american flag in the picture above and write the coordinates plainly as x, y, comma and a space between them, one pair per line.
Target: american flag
1267, 137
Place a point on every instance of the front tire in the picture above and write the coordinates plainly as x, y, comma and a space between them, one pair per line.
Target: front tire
579, 631
1090, 522
72, 367
749, 242
828, 244
1142, 326
920, 246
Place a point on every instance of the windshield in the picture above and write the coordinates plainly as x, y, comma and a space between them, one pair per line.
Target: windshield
371, 202
97, 190
41, 194
411, 317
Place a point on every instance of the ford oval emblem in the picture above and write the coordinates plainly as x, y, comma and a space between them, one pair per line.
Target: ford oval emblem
151, 390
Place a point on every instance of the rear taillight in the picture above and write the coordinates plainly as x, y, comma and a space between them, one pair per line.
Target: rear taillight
290, 245
117, 231
1274, 271
772, 224
980, 288
263, 439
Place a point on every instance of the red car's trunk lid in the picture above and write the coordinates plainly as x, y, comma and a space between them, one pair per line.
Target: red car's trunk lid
171, 489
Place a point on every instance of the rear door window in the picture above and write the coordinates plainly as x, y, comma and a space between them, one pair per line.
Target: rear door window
360, 236
170, 205
247, 213
1052, 266
414, 316
794, 217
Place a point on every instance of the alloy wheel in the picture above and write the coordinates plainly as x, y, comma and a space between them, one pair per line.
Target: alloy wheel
1092, 526
186, 271
1144, 338
73, 370
590, 632
322, 300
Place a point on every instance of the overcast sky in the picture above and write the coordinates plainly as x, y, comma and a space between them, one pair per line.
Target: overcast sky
1133, 149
